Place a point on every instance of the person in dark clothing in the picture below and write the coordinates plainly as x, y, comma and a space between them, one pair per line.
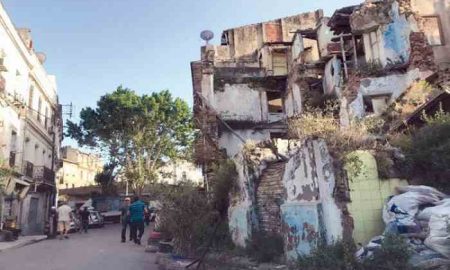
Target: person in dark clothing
125, 219
84, 214
137, 211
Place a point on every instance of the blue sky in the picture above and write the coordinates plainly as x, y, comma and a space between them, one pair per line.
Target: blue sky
93, 46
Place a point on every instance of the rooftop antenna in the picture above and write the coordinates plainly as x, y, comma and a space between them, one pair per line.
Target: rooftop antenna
207, 35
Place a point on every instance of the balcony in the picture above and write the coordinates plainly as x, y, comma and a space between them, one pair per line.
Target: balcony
44, 174
39, 173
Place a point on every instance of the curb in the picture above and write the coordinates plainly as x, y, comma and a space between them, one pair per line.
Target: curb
27, 243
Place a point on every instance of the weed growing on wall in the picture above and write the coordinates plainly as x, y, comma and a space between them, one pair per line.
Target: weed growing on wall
322, 123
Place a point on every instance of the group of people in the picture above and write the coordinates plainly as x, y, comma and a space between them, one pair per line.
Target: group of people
133, 215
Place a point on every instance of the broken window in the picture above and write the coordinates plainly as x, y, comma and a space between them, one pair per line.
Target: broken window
376, 104
372, 45
279, 63
432, 30
275, 102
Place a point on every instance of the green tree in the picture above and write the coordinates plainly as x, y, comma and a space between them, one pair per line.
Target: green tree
137, 132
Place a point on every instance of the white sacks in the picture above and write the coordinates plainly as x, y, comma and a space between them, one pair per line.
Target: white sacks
439, 238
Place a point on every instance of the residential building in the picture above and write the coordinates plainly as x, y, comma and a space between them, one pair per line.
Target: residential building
246, 90
30, 129
78, 168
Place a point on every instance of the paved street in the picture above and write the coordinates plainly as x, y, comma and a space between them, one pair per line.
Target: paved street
99, 249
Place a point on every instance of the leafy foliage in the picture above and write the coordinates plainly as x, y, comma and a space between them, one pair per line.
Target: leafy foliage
192, 218
106, 178
427, 151
137, 132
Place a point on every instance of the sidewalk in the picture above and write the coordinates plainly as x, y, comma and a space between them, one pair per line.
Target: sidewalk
22, 241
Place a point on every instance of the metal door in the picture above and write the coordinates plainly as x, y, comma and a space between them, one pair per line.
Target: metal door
33, 224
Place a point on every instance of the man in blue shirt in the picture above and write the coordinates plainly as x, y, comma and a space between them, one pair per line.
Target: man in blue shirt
137, 210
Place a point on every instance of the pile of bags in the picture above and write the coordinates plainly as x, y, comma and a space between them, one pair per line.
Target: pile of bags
422, 215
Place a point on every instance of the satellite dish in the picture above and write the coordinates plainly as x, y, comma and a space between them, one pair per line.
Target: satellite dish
207, 35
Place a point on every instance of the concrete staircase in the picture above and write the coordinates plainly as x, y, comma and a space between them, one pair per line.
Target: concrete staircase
269, 196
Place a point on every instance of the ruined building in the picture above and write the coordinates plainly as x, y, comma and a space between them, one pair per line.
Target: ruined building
247, 88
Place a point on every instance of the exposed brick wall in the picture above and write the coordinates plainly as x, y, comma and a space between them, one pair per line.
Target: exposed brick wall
269, 195
422, 56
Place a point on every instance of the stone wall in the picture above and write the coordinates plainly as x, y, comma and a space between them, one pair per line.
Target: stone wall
421, 56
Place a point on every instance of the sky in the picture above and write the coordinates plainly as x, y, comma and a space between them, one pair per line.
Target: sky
93, 46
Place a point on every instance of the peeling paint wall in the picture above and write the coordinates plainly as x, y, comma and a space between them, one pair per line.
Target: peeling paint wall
309, 209
368, 193
391, 34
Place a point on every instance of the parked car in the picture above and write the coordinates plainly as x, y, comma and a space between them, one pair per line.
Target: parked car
96, 219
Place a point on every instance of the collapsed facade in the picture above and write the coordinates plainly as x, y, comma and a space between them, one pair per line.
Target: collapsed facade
246, 89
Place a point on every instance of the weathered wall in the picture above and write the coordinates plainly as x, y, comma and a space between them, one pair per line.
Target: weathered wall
293, 101
241, 102
242, 211
309, 209
395, 85
368, 193
440, 8
324, 36
392, 33
233, 145
332, 77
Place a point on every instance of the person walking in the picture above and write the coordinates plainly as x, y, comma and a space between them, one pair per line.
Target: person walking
125, 219
64, 218
84, 214
137, 211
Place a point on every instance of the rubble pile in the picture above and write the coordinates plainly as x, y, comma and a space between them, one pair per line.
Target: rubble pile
422, 215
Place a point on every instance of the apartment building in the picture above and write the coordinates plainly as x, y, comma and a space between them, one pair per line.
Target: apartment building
78, 168
30, 129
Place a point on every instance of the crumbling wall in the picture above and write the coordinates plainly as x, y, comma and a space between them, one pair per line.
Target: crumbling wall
393, 85
234, 145
305, 206
440, 8
332, 79
309, 210
392, 28
422, 56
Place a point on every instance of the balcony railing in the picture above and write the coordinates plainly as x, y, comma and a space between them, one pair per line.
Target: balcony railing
39, 173
44, 174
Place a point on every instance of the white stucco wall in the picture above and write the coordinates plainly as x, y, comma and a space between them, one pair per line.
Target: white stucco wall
240, 102
233, 145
